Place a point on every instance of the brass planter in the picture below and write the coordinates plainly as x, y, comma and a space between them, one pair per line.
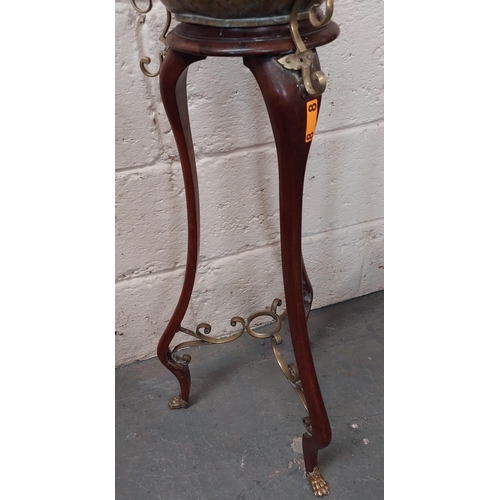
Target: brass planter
237, 13
244, 14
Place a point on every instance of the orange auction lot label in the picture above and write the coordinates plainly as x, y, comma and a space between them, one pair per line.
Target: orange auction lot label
312, 117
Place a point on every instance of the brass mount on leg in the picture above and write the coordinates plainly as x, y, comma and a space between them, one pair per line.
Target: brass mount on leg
177, 402
318, 484
315, 82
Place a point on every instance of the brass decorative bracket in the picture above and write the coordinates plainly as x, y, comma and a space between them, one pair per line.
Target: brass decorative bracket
314, 82
201, 334
290, 370
147, 60
203, 338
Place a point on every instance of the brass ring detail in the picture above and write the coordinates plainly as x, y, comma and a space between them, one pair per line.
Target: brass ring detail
202, 332
141, 11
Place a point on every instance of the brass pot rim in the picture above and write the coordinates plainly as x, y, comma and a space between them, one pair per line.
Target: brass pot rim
237, 13
237, 23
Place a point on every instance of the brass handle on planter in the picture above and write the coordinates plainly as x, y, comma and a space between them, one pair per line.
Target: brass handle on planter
315, 83
147, 60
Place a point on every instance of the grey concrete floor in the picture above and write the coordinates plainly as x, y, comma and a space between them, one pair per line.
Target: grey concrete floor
240, 437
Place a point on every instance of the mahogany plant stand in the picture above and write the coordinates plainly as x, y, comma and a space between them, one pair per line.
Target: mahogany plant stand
266, 51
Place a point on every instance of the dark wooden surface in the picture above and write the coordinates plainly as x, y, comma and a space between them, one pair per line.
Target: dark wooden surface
173, 91
230, 42
286, 104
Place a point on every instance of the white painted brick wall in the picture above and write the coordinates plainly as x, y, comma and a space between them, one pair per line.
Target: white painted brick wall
240, 269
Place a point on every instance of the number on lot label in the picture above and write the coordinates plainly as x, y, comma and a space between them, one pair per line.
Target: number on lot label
312, 117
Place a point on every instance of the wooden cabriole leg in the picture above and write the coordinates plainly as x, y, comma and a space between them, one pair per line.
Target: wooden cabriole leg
173, 92
288, 104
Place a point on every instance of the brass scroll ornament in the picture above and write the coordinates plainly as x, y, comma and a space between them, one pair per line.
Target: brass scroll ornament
315, 83
142, 11
201, 334
203, 338
147, 60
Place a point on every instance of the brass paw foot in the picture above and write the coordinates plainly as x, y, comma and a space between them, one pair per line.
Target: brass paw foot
318, 484
177, 402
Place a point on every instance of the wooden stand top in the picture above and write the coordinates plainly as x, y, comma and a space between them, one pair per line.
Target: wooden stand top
263, 40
